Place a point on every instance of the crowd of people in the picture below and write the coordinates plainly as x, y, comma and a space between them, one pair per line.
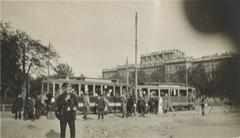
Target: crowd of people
32, 107
65, 106
143, 104
42, 104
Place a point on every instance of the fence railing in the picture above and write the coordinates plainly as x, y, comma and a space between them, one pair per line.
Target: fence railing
5, 107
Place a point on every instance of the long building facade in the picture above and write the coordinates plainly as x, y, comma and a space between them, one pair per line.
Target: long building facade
169, 61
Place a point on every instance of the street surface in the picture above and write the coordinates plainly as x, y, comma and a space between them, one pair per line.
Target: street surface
184, 124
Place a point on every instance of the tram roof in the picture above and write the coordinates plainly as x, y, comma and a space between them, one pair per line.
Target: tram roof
86, 81
167, 84
163, 86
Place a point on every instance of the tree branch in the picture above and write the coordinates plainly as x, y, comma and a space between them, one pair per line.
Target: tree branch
29, 67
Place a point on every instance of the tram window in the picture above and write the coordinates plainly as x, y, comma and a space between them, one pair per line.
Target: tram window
98, 90
75, 89
164, 92
57, 90
90, 90
50, 88
90, 93
108, 92
56, 87
83, 88
117, 91
183, 93
111, 94
173, 92
44, 87
154, 92
144, 92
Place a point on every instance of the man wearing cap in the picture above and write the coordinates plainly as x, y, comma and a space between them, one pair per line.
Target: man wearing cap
86, 105
101, 105
142, 104
66, 110
17, 107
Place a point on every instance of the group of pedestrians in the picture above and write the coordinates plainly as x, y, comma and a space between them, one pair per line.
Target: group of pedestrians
101, 105
32, 107
143, 104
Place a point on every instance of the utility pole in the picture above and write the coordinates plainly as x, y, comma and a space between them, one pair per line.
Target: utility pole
127, 74
136, 78
48, 68
48, 59
186, 75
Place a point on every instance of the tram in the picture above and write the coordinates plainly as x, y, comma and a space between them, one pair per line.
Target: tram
112, 89
178, 95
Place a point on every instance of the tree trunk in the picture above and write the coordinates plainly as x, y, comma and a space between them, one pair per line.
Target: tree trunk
23, 87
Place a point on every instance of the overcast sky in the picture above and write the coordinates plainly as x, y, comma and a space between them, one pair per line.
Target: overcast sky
92, 36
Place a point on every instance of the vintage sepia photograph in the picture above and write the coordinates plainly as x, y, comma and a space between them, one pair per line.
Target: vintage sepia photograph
120, 68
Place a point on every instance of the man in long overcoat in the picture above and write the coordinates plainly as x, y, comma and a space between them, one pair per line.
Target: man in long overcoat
67, 103
101, 106
17, 107
86, 105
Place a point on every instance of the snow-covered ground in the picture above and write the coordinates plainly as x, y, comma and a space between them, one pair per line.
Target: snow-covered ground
184, 124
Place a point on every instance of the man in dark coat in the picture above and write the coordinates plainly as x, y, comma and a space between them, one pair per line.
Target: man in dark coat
203, 102
101, 105
67, 103
130, 105
38, 107
156, 100
142, 104
17, 107
151, 105
29, 109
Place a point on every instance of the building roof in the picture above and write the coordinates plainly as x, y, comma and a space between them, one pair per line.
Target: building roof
97, 81
120, 67
213, 57
176, 51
